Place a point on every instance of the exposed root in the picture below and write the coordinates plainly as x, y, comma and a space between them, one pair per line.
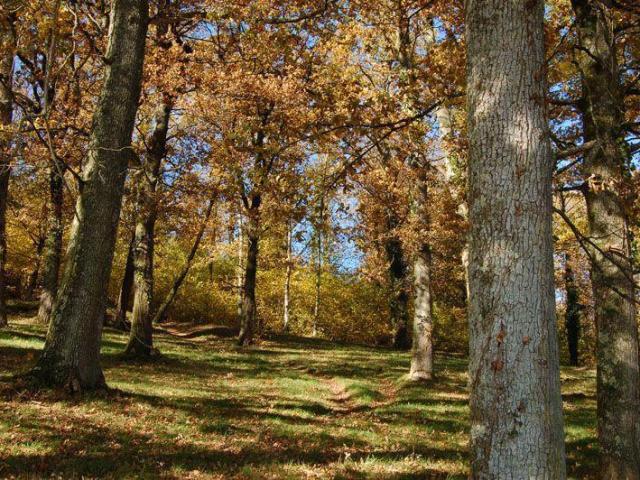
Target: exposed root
420, 377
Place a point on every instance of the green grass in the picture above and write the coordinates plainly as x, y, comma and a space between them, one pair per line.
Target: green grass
290, 408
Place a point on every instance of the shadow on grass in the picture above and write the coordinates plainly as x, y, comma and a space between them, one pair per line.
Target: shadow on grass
95, 450
254, 423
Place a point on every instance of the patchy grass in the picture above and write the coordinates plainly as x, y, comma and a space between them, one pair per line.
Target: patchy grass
290, 408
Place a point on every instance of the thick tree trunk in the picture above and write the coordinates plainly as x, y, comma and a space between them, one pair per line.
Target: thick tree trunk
572, 313
8, 47
287, 281
71, 354
52, 257
141, 335
422, 349
610, 251
249, 310
161, 314
126, 287
399, 300
516, 407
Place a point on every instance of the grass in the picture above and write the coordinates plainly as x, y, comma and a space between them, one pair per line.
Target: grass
290, 408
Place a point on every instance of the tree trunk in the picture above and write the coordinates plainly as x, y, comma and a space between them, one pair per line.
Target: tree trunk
422, 349
240, 270
319, 229
287, 280
124, 298
318, 290
572, 313
141, 334
516, 407
8, 48
71, 354
52, 257
399, 301
610, 250
248, 319
34, 276
161, 314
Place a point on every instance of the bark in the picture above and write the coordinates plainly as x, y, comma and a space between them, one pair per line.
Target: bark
421, 333
8, 46
240, 270
399, 300
572, 314
287, 281
126, 287
516, 407
422, 349
71, 354
248, 318
141, 334
52, 256
53, 241
161, 313
611, 259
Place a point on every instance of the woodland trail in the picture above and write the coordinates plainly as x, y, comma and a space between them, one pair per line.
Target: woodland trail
287, 408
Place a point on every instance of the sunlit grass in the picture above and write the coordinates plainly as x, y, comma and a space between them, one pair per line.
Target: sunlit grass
290, 408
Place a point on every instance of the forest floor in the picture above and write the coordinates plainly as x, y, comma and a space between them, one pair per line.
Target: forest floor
288, 408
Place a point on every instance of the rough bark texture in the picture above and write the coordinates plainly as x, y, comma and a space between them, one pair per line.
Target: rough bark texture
141, 334
572, 313
71, 353
126, 287
611, 260
161, 314
7, 46
52, 255
248, 319
422, 349
516, 407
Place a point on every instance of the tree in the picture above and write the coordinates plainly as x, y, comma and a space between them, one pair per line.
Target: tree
572, 313
286, 301
422, 347
55, 224
141, 334
606, 170
258, 107
161, 313
319, 222
126, 286
516, 407
8, 46
71, 354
